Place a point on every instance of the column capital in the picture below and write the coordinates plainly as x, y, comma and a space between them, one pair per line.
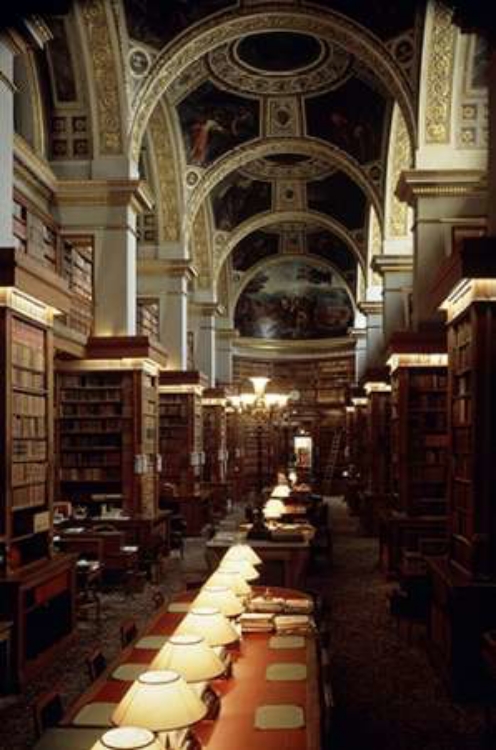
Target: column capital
134, 193
375, 307
170, 267
383, 264
440, 183
208, 308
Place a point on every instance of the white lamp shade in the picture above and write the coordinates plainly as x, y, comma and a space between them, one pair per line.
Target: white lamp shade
259, 384
209, 623
231, 580
128, 738
274, 508
243, 567
281, 491
242, 552
161, 702
221, 598
190, 656
292, 476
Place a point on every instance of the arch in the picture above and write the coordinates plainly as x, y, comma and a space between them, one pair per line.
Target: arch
246, 153
176, 57
223, 249
29, 111
268, 262
400, 158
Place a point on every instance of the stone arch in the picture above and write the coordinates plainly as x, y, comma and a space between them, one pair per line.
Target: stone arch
175, 58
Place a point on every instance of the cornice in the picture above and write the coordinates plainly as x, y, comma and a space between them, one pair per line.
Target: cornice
227, 333
160, 267
383, 264
375, 307
209, 308
32, 169
132, 192
420, 183
281, 345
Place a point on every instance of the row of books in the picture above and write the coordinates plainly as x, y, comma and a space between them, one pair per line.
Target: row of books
29, 405
29, 450
90, 474
96, 409
27, 379
28, 473
29, 427
30, 496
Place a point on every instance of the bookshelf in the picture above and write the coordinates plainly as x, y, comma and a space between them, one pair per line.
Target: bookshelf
235, 452
35, 234
78, 271
35, 585
377, 456
107, 435
214, 435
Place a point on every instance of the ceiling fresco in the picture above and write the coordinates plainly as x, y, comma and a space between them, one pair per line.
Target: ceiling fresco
339, 197
351, 118
237, 198
214, 121
294, 300
254, 248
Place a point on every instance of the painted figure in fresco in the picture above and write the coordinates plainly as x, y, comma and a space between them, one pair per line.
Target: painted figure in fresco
200, 135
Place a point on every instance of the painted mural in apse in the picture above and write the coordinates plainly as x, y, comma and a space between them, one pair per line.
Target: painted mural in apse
339, 197
296, 301
237, 198
214, 121
156, 22
254, 248
351, 118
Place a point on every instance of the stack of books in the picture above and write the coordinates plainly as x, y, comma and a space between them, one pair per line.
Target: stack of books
264, 604
298, 606
300, 624
257, 622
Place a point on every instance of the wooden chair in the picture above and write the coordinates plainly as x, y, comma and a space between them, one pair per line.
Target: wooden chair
47, 711
96, 663
128, 631
158, 599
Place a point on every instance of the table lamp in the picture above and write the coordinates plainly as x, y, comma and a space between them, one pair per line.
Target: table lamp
280, 491
162, 702
243, 567
273, 509
209, 623
128, 738
242, 552
293, 477
221, 598
190, 656
232, 580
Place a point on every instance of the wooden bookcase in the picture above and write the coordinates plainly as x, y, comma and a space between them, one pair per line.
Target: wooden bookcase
36, 587
214, 435
78, 270
235, 437
107, 431
35, 233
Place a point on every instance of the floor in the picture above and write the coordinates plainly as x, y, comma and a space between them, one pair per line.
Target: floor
387, 695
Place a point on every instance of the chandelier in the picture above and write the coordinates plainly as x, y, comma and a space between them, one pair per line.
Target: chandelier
258, 401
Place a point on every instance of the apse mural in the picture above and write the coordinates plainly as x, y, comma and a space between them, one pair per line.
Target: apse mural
214, 121
339, 197
351, 118
294, 300
237, 198
156, 22
253, 249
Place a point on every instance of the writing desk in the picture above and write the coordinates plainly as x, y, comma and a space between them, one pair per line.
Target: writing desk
240, 695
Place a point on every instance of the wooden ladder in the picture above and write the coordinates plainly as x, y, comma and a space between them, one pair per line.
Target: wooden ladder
330, 468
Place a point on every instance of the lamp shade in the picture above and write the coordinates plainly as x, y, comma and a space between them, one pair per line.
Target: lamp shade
274, 508
161, 702
243, 567
293, 476
128, 738
259, 385
190, 656
221, 598
242, 552
209, 623
231, 579
281, 491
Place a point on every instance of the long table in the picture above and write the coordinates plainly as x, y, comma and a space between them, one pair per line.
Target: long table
240, 694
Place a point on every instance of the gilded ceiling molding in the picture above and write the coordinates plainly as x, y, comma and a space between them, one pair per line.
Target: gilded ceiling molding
225, 244
175, 58
200, 250
246, 153
399, 158
37, 106
169, 222
374, 248
440, 75
105, 77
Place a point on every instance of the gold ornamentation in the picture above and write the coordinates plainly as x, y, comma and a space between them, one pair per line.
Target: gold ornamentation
440, 76
175, 59
200, 251
401, 158
168, 204
375, 247
104, 76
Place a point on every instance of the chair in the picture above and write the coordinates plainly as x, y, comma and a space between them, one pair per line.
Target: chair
96, 663
128, 631
47, 711
158, 599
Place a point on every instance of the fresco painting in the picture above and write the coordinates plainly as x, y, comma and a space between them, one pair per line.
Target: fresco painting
237, 198
294, 300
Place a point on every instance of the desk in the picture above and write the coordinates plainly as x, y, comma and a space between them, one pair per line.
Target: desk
240, 695
68, 738
285, 563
